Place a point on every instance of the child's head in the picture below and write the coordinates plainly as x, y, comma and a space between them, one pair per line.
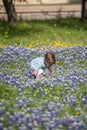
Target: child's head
49, 59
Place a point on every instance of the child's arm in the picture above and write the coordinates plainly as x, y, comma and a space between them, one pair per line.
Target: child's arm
38, 73
35, 72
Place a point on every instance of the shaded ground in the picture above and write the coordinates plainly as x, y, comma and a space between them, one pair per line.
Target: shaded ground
45, 11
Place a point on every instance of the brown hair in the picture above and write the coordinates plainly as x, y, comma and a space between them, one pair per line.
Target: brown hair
50, 58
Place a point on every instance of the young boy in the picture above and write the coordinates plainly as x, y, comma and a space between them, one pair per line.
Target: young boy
40, 63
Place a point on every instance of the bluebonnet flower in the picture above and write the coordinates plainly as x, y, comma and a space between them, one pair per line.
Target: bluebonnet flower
70, 72
84, 101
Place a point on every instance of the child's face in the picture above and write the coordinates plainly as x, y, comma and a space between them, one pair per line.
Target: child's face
48, 64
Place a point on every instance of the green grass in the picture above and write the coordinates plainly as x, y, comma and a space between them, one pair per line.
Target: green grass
25, 32
68, 30
9, 94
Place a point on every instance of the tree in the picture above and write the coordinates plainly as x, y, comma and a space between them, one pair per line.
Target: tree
10, 10
84, 10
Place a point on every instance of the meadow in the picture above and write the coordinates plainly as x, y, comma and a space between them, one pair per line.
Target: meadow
36, 32
55, 101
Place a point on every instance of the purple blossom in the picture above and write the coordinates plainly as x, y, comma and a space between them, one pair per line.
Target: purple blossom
29, 113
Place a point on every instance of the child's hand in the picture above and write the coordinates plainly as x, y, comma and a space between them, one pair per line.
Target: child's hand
38, 76
35, 72
40, 72
52, 71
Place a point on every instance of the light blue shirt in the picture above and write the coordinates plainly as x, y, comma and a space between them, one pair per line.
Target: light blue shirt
37, 63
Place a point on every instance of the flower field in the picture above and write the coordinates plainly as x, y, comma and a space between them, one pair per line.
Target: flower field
54, 102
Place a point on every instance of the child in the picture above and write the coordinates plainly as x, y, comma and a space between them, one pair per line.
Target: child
40, 63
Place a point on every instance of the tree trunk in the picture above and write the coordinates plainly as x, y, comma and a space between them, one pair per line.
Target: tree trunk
10, 10
84, 10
